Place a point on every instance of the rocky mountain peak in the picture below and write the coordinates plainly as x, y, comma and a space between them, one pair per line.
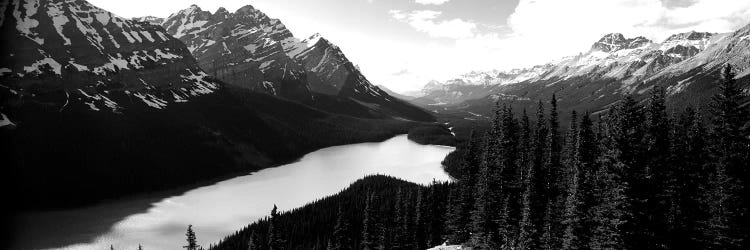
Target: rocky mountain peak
616, 41
221, 13
692, 35
150, 19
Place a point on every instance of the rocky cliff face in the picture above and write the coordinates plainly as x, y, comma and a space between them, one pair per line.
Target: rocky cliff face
71, 53
245, 48
249, 49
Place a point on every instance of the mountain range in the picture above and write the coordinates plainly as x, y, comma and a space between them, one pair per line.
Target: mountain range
251, 50
94, 103
686, 64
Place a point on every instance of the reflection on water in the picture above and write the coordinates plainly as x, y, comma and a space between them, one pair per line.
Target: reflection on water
218, 210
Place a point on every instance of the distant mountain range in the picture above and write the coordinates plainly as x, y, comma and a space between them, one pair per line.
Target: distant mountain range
94, 103
686, 64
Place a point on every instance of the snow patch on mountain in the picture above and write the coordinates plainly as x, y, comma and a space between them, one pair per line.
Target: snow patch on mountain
5, 121
25, 21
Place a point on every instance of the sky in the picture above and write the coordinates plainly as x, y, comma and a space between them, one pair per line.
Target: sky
403, 44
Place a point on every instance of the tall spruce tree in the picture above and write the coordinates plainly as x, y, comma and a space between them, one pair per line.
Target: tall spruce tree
727, 222
341, 239
192, 242
608, 212
688, 168
488, 201
275, 238
372, 232
571, 216
657, 142
254, 243
526, 228
626, 131
554, 180
462, 199
511, 177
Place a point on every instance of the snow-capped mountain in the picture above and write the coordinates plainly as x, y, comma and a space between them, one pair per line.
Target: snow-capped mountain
686, 64
77, 54
473, 85
249, 49
150, 19
245, 48
614, 65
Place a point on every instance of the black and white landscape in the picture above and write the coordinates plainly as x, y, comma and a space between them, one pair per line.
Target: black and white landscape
212, 125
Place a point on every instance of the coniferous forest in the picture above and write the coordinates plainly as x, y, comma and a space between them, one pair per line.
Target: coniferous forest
640, 176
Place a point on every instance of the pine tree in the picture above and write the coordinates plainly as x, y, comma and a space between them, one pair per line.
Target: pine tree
726, 226
140, 247
554, 180
608, 212
525, 225
275, 238
341, 239
462, 200
192, 243
571, 217
626, 132
535, 190
254, 242
421, 220
691, 177
657, 142
511, 188
488, 201
372, 225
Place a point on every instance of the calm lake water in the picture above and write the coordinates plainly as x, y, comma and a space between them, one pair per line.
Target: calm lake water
218, 210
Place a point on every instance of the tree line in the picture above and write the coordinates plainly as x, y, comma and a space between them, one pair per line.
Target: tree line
635, 177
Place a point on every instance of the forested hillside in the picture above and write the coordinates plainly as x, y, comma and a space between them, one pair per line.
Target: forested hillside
635, 177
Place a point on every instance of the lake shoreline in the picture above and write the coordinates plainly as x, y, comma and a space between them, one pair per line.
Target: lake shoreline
137, 204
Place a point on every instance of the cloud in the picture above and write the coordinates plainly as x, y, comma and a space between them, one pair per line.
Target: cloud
401, 72
433, 2
426, 21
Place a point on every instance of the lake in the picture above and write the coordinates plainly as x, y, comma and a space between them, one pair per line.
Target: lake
220, 209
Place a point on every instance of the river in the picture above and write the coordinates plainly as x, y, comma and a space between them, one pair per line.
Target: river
220, 209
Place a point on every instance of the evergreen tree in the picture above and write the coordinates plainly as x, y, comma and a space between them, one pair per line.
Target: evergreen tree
254, 242
657, 142
462, 199
690, 179
192, 243
488, 201
609, 209
372, 225
525, 225
341, 239
571, 216
140, 247
511, 188
535, 190
421, 220
626, 132
275, 238
554, 180
726, 226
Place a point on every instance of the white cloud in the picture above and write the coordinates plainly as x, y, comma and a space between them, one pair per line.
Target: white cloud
433, 2
425, 21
